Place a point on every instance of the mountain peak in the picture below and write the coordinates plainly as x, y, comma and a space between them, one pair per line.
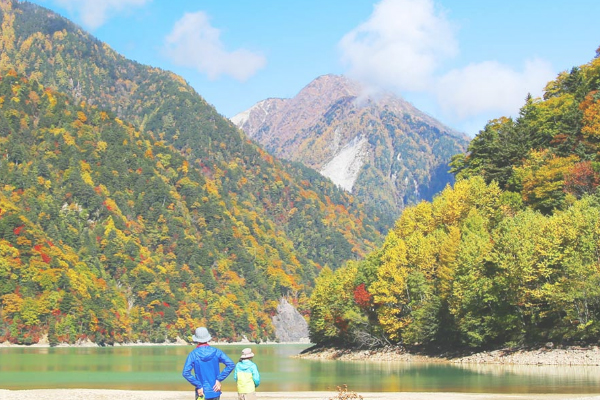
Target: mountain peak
333, 84
348, 133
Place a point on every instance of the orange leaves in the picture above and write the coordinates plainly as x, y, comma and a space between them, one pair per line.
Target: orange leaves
591, 115
110, 205
81, 116
185, 166
211, 187
34, 97
278, 277
542, 177
149, 154
12, 303
23, 241
69, 140
85, 173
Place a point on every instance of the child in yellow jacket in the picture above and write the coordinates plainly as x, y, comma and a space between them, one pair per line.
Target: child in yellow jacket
246, 375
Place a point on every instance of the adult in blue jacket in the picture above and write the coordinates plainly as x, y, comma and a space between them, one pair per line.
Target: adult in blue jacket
205, 361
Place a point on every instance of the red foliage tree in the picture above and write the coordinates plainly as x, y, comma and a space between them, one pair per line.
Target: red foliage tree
582, 179
362, 297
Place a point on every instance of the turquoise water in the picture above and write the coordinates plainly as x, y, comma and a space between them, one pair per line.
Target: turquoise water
159, 368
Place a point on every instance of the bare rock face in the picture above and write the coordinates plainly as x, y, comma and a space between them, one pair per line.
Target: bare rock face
289, 325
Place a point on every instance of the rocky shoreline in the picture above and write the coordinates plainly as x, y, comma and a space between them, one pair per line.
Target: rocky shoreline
567, 355
178, 342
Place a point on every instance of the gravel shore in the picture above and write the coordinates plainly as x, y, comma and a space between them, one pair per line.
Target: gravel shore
100, 394
571, 355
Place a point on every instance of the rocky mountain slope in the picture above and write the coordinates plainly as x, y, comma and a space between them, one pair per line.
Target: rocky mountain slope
380, 148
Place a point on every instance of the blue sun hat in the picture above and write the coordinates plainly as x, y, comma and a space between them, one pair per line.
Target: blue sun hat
201, 336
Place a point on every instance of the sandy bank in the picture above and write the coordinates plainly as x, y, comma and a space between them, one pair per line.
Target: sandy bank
101, 394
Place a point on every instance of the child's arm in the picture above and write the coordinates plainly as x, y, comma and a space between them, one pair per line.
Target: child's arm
255, 375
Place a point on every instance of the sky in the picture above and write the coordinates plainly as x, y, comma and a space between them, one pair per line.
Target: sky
463, 62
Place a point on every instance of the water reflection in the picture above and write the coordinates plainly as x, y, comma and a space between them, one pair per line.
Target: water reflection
159, 368
554, 377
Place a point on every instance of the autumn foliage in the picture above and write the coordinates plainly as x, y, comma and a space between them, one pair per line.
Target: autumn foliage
133, 211
507, 256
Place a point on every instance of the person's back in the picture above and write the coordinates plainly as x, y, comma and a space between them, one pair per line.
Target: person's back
205, 361
246, 375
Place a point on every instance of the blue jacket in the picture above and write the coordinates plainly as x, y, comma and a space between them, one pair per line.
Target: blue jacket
205, 360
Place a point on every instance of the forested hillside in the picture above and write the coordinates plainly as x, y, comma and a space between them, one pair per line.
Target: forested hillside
131, 210
509, 255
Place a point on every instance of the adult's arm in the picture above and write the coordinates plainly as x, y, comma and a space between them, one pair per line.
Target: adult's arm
187, 372
229, 366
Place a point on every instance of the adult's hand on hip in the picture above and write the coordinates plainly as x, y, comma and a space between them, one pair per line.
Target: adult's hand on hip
217, 387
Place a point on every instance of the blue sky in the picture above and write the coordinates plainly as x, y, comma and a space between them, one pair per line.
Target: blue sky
462, 61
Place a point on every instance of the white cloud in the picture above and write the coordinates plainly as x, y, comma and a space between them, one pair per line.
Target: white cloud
195, 43
400, 45
94, 13
403, 46
491, 86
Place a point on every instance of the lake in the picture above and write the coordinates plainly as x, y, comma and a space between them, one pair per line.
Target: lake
159, 368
